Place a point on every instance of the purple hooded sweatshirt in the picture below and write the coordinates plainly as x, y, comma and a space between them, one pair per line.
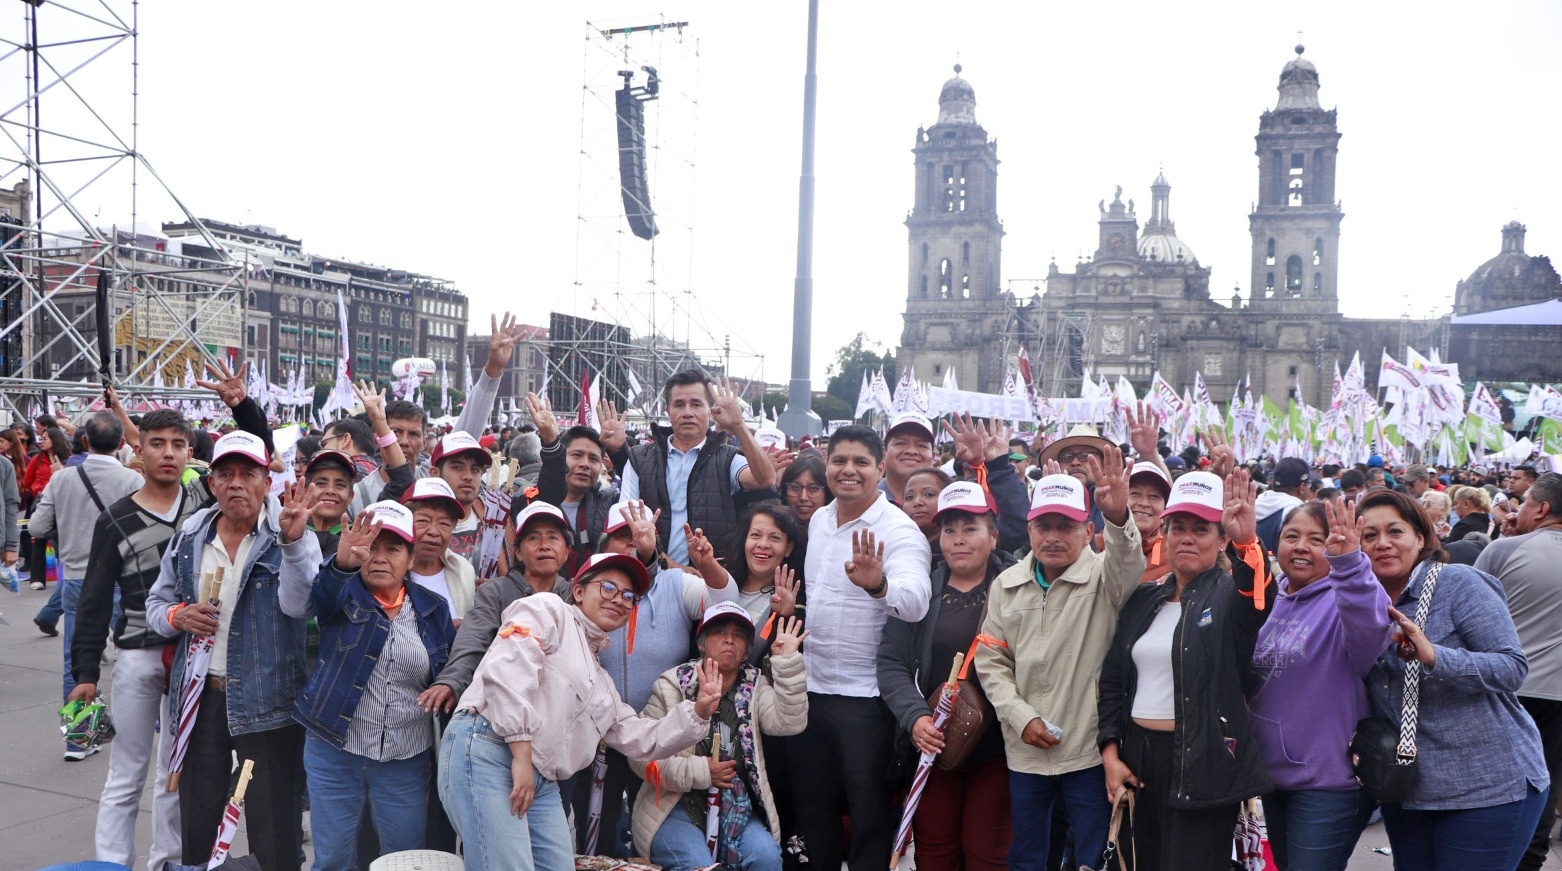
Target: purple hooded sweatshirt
1309, 669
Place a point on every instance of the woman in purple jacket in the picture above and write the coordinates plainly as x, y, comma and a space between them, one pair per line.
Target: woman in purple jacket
1327, 629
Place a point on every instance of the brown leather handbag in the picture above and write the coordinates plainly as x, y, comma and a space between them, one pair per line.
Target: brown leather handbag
971, 715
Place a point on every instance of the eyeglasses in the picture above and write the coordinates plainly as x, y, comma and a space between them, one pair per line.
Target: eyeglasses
610, 589
799, 489
1066, 457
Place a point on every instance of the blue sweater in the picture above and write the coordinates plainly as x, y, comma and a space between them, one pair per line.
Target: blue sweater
1312, 654
664, 637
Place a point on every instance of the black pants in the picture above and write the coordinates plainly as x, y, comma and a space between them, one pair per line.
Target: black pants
619, 787
1167, 838
273, 815
1547, 714
840, 764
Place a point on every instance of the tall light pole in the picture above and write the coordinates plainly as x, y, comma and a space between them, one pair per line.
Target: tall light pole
799, 419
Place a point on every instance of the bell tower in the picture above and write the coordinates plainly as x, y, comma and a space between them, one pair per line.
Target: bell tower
1296, 223
955, 236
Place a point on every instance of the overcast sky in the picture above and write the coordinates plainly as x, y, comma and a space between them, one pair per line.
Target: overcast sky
448, 139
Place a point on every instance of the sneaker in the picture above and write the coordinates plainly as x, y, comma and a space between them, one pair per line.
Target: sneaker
37, 585
45, 627
76, 752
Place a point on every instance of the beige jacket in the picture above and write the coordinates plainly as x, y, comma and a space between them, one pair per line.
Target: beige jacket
1053, 645
780, 708
462, 580
541, 682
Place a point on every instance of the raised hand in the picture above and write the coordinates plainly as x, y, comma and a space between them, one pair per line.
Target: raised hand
373, 399
710, 689
1222, 459
228, 385
352, 550
727, 412
614, 433
642, 526
542, 418
783, 602
1111, 478
789, 636
702, 554
1051, 467
501, 344
866, 567
1144, 431
780, 458
293, 522
1344, 528
968, 442
1238, 518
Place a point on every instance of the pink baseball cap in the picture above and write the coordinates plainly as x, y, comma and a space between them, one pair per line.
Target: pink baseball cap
617, 518
1152, 472
457, 443
240, 444
912, 419
966, 497
1059, 494
539, 511
433, 490
727, 611
1201, 494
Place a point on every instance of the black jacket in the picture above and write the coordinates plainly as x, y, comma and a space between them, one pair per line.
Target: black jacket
710, 506
594, 506
1217, 762
905, 648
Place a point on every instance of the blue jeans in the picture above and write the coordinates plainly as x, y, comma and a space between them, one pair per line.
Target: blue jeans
679, 846
1031, 797
69, 591
52, 610
1476, 839
340, 783
1314, 829
474, 785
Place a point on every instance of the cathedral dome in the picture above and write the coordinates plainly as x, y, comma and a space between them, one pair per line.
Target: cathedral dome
957, 101
1165, 248
1507, 267
1299, 83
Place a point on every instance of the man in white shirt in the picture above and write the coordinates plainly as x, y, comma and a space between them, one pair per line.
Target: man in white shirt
867, 562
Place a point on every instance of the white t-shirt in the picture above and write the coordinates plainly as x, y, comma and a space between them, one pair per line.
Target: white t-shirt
437, 585
1153, 660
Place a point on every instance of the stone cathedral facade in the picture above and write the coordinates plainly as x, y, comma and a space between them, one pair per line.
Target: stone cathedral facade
1142, 301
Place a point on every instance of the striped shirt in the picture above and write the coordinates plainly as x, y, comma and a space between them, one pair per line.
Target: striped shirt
388, 724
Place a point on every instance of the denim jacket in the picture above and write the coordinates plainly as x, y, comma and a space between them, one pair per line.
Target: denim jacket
353, 631
265, 645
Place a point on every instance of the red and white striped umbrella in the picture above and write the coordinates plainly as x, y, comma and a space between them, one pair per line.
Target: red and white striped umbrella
594, 809
718, 739
197, 659
230, 818
946, 703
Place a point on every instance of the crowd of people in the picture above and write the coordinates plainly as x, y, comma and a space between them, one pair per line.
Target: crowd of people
692, 647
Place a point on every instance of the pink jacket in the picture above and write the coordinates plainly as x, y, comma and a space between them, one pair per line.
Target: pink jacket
541, 682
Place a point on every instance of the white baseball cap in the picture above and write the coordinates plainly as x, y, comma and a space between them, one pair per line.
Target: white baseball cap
910, 418
240, 444
964, 496
617, 517
433, 490
539, 511
1151, 470
1198, 493
770, 437
393, 517
727, 611
454, 443
1059, 494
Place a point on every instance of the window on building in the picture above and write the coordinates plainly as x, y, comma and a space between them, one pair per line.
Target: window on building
924, 285
965, 253
962, 187
307, 308
326, 310
965, 286
945, 277
949, 187
1298, 169
924, 255
1269, 253
363, 315
406, 320
1317, 283
385, 317
1293, 275
1269, 285
1317, 250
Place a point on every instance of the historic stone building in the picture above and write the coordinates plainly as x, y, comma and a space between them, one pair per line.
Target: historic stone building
1523, 344
1142, 302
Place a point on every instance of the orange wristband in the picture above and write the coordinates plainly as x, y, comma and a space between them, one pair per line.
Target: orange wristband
174, 612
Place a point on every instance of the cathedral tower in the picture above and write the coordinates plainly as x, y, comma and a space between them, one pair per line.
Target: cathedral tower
953, 294
1296, 225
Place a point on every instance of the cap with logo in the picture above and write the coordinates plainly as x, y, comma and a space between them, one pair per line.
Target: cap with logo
1152, 473
1059, 494
331, 458
433, 490
457, 443
966, 497
727, 611
240, 444
393, 517
617, 517
910, 419
539, 512
770, 437
1198, 493
630, 565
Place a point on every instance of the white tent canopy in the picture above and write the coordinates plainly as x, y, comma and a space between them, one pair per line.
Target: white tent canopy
1540, 314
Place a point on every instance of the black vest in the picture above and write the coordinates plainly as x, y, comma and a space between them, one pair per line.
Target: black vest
710, 505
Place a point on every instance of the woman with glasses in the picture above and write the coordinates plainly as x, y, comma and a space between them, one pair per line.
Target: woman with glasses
538, 706
803, 488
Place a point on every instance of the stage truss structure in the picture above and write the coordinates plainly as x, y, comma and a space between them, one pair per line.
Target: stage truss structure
634, 308
70, 165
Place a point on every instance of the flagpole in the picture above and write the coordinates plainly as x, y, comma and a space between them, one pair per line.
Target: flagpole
799, 419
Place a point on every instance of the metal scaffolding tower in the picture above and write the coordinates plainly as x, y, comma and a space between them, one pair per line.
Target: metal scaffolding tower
68, 138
